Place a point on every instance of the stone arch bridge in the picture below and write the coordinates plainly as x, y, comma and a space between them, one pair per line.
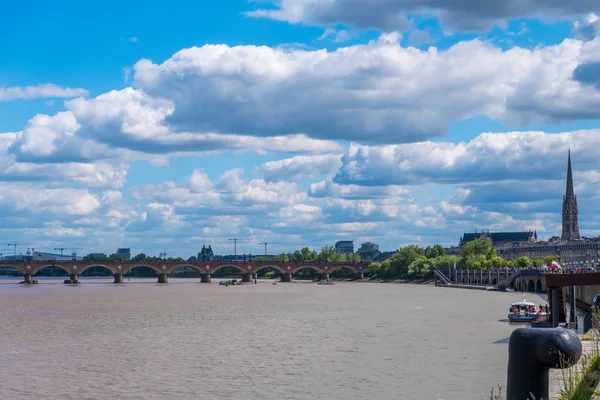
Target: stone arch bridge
118, 269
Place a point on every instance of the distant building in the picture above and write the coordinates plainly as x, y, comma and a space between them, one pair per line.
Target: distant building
42, 256
368, 251
97, 256
206, 254
124, 253
367, 246
500, 238
344, 247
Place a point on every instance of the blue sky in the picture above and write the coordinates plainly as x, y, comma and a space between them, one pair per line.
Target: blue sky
168, 127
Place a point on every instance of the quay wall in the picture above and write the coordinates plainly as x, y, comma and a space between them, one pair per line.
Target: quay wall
586, 293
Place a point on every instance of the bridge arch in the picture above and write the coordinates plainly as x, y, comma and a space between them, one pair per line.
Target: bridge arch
531, 286
87, 267
309, 267
243, 269
275, 267
8, 267
185, 265
344, 267
129, 268
37, 268
539, 286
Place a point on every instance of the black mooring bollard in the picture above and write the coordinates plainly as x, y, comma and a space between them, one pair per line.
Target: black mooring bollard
531, 354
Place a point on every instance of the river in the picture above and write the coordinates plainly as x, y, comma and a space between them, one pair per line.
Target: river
187, 340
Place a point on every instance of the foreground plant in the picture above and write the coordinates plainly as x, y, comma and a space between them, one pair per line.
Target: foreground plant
580, 382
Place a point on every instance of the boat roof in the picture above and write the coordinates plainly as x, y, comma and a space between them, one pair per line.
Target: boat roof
523, 303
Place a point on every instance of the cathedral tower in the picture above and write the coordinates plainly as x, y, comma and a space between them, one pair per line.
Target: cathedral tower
570, 223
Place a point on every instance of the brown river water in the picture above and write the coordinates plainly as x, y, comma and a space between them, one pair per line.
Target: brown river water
187, 340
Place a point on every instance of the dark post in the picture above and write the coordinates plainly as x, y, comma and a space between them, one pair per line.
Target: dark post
555, 307
531, 354
573, 310
498, 276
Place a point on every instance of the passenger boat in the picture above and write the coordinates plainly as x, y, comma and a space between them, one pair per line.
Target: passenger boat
522, 311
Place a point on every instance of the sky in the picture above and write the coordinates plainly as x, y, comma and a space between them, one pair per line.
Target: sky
166, 126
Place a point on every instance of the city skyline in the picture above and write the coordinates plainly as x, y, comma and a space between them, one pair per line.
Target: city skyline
293, 125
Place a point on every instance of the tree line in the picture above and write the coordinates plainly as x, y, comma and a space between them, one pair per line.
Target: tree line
415, 262
327, 254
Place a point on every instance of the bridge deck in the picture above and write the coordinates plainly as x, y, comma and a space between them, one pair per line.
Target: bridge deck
564, 280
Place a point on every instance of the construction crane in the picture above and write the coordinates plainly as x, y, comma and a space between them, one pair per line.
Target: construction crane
235, 240
66, 248
15, 245
265, 244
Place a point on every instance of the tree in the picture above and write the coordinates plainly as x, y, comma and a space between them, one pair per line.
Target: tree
435, 251
297, 257
96, 257
444, 262
308, 255
262, 259
304, 255
328, 254
140, 257
420, 267
499, 262
523, 262
478, 247
354, 258
282, 258
548, 260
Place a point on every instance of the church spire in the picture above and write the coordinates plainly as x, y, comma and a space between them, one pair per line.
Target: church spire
570, 192
570, 219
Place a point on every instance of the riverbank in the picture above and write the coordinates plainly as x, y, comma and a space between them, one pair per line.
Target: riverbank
402, 281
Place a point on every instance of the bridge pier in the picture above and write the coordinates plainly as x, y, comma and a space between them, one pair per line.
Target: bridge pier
163, 278
205, 278
325, 276
28, 278
359, 275
247, 278
73, 278
555, 307
286, 277
573, 311
489, 277
118, 278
